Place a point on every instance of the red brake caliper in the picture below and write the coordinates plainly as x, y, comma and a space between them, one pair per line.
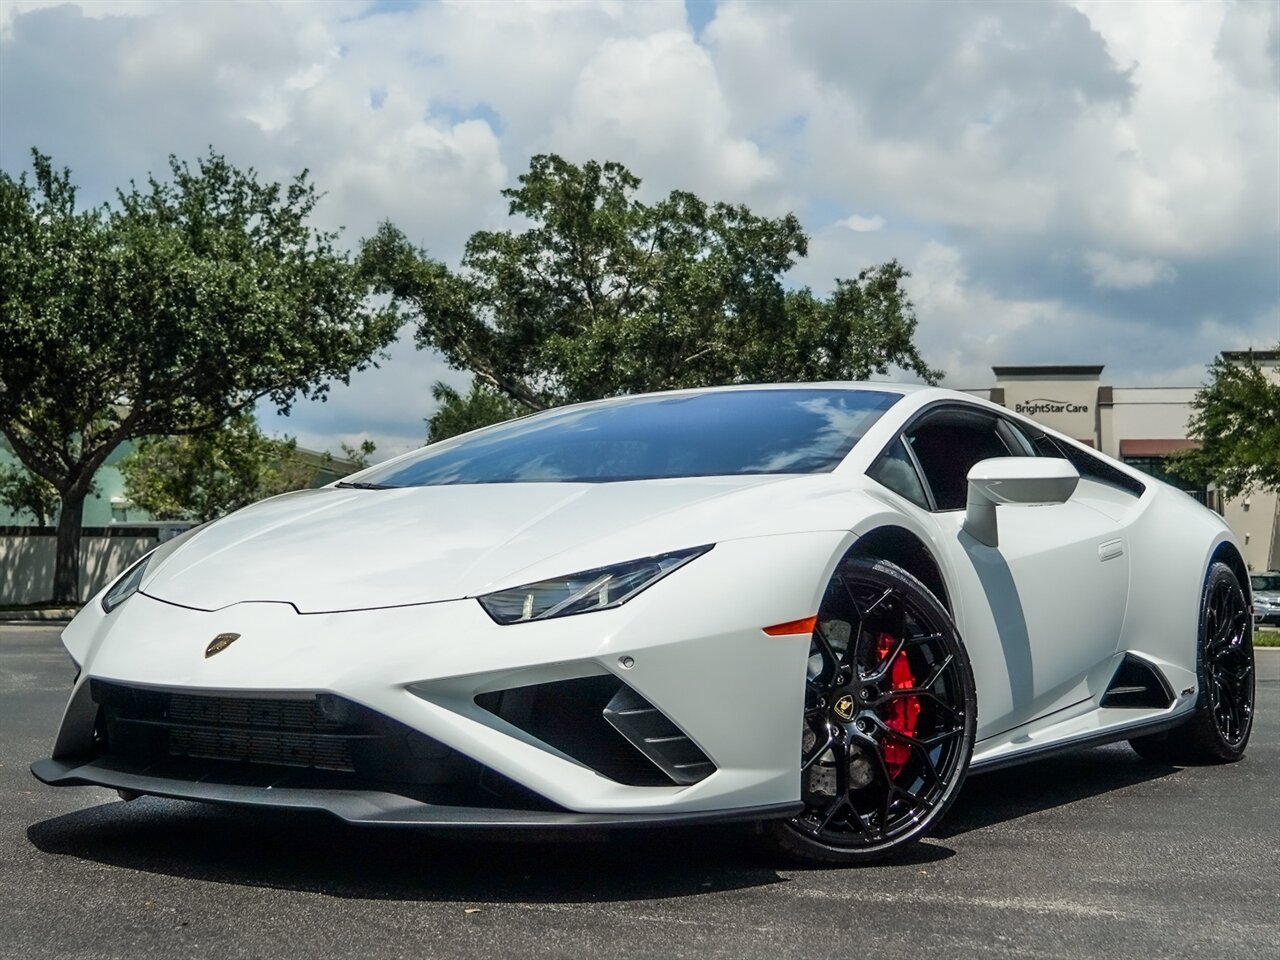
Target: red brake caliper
904, 712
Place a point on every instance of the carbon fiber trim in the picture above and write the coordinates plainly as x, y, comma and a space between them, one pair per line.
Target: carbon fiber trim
378, 807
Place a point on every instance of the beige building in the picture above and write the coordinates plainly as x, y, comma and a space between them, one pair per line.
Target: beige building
1141, 426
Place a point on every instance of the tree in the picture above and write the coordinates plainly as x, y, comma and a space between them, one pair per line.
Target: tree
1237, 421
481, 406
358, 457
23, 492
166, 313
601, 294
209, 474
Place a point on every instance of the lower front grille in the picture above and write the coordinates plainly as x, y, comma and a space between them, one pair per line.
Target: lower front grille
318, 732
283, 749
301, 713
288, 732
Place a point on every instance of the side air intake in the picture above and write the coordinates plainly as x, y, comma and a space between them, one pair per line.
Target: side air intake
603, 723
1138, 685
650, 731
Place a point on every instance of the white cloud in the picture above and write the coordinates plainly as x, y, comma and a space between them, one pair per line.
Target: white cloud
860, 224
1115, 273
655, 103
97, 9
1248, 44
969, 327
1066, 181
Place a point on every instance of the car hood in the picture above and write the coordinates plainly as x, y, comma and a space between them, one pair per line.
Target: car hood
348, 549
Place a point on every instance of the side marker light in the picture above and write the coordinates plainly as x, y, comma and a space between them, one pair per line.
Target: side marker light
793, 627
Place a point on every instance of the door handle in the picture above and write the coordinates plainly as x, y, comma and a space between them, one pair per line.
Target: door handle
1110, 550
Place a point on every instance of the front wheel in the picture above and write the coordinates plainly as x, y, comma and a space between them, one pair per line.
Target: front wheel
889, 718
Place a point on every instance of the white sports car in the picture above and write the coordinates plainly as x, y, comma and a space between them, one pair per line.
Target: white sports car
817, 607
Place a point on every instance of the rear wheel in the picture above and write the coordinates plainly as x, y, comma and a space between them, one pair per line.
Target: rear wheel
1218, 731
888, 722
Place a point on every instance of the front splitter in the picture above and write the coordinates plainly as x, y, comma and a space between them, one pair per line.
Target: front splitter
374, 807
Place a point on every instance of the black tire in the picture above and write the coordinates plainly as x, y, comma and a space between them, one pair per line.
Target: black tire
1219, 728
890, 712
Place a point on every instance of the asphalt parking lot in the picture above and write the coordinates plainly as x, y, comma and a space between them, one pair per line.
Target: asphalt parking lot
1095, 854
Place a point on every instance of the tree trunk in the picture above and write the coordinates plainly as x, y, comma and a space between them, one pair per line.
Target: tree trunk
66, 569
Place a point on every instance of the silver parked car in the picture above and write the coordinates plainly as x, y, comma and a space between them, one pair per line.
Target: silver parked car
1266, 597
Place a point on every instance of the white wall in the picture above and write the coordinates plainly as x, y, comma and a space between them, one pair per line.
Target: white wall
26, 563
1138, 413
1256, 522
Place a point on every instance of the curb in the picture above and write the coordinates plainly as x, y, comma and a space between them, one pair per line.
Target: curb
47, 615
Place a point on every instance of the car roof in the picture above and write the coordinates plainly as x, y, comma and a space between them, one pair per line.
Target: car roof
880, 386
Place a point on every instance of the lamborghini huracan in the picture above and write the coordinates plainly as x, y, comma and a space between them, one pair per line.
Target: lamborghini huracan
814, 607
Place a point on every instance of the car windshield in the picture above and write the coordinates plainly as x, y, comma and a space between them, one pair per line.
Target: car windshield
720, 433
1265, 581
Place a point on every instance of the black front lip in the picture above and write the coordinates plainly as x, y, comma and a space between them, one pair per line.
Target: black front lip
373, 807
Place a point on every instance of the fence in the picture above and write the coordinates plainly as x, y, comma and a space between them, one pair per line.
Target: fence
27, 555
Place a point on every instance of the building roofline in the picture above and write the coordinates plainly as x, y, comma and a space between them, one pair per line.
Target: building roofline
1049, 370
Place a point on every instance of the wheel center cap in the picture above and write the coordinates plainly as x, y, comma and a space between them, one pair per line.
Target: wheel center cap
844, 707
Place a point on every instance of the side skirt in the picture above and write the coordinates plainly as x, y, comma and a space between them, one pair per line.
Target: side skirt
1095, 739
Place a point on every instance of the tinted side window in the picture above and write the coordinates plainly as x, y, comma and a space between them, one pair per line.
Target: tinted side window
1087, 465
947, 446
895, 470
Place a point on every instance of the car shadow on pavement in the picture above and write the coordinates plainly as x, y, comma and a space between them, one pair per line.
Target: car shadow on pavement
315, 853
1005, 795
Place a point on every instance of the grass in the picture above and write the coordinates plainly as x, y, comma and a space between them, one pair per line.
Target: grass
1266, 637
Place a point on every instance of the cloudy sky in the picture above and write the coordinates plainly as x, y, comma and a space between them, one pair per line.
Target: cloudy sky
1083, 182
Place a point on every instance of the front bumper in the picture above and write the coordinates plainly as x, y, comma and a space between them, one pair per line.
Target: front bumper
1269, 616
691, 646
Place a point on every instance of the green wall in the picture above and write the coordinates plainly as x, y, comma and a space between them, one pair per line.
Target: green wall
97, 508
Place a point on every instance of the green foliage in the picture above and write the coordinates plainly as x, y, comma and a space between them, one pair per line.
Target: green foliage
480, 407
168, 312
23, 492
601, 294
207, 475
359, 456
210, 474
1237, 421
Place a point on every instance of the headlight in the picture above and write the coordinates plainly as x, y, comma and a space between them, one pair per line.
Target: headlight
126, 586
583, 592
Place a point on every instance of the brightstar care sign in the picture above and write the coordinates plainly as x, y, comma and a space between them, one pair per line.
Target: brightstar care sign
1062, 397
1040, 405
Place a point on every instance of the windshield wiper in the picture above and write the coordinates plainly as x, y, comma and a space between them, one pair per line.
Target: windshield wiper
359, 485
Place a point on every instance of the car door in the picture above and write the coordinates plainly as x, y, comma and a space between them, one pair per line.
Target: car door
1042, 613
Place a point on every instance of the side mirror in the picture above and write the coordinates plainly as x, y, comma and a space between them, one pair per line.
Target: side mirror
1028, 480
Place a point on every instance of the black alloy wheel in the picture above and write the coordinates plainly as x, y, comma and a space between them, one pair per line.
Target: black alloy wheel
1218, 730
889, 718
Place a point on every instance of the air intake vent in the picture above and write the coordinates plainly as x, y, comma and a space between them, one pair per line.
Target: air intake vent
603, 723
650, 731
1138, 685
